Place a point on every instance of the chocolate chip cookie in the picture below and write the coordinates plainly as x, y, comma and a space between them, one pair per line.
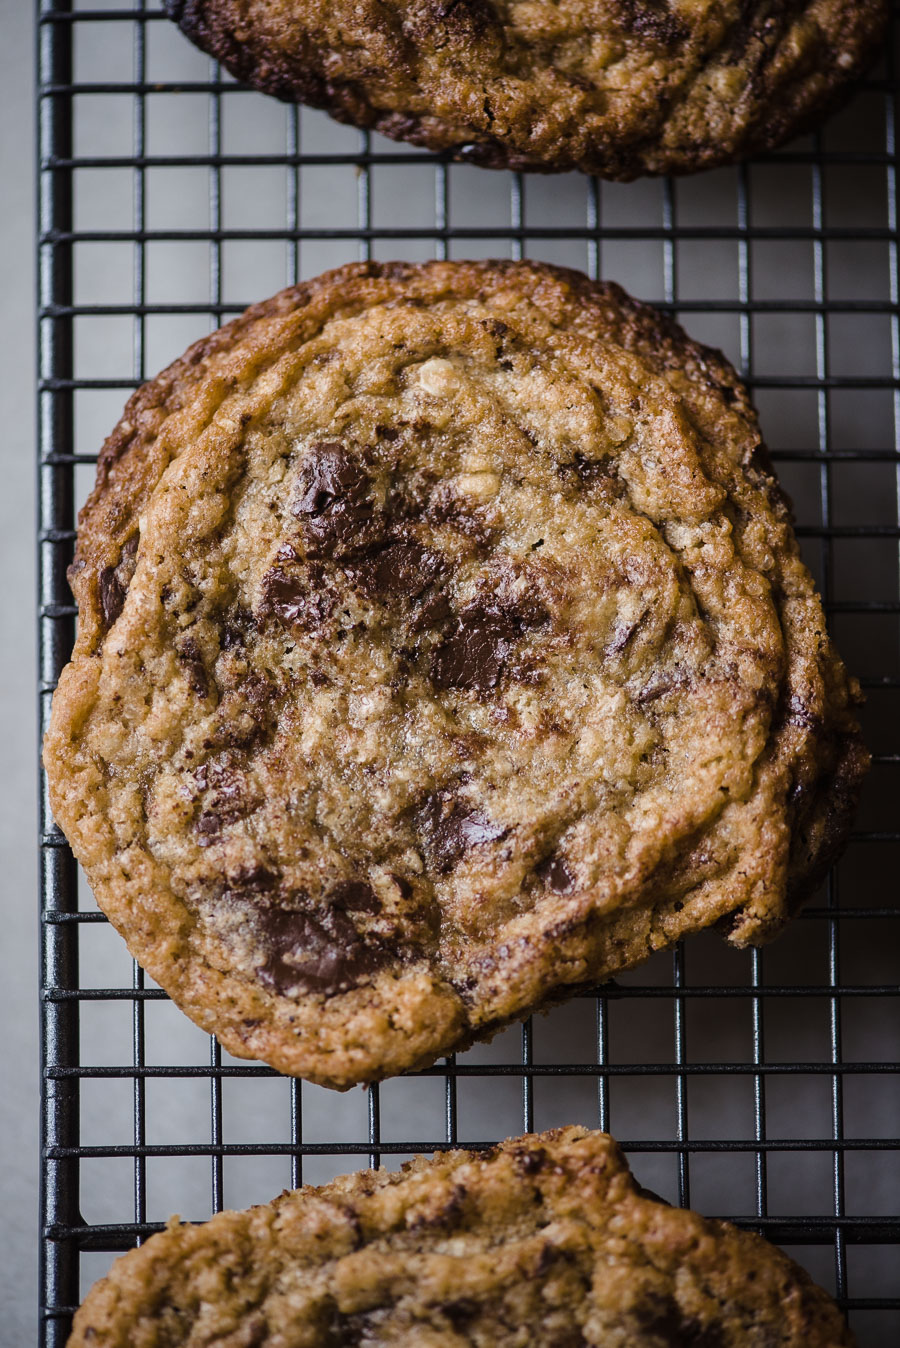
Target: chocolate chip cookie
541, 1242
444, 647
614, 87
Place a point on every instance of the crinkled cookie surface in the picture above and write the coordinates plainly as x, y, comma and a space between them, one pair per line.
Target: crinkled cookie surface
444, 646
615, 87
544, 1242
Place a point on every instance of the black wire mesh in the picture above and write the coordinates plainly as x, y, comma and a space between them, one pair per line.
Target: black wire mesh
764, 1086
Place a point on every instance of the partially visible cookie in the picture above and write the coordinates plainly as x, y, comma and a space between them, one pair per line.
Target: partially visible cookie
614, 87
444, 646
544, 1242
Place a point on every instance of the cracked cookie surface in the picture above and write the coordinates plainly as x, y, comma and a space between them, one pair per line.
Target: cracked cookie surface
543, 1242
615, 87
444, 646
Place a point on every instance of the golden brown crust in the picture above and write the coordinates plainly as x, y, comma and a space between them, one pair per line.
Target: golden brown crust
544, 1241
663, 738
607, 86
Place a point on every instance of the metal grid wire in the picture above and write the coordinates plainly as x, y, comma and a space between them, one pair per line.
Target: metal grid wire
759, 1085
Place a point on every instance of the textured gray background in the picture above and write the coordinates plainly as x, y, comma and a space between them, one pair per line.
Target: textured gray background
640, 1031
18, 943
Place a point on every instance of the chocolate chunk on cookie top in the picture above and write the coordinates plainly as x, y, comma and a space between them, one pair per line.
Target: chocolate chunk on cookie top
615, 87
543, 1242
443, 645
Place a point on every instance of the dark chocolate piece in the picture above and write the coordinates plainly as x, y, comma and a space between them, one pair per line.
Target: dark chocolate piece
530, 1162
191, 659
653, 20
330, 475
355, 896
592, 471
114, 581
112, 595
555, 874
252, 880
677, 1330
228, 799
235, 629
660, 682
297, 598
800, 714
209, 826
434, 612
321, 953
461, 1313
333, 505
450, 828
475, 654
622, 632
402, 570
405, 888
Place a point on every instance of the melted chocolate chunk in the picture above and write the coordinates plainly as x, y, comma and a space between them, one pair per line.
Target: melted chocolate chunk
550, 1257
253, 880
801, 714
236, 629
405, 888
652, 19
209, 826
677, 1330
355, 896
461, 1313
330, 475
448, 1214
227, 802
475, 654
321, 953
297, 599
333, 504
114, 581
591, 471
660, 683
555, 874
340, 531
401, 570
191, 659
531, 1162
112, 595
345, 1331
443, 507
434, 612
258, 690
621, 635
451, 828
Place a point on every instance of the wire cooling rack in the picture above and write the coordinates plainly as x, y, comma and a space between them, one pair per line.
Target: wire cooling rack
761, 1085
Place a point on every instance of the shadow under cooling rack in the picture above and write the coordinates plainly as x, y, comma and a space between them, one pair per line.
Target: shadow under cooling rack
762, 1086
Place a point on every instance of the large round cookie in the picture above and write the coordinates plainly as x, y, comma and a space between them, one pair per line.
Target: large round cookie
444, 645
615, 87
544, 1242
